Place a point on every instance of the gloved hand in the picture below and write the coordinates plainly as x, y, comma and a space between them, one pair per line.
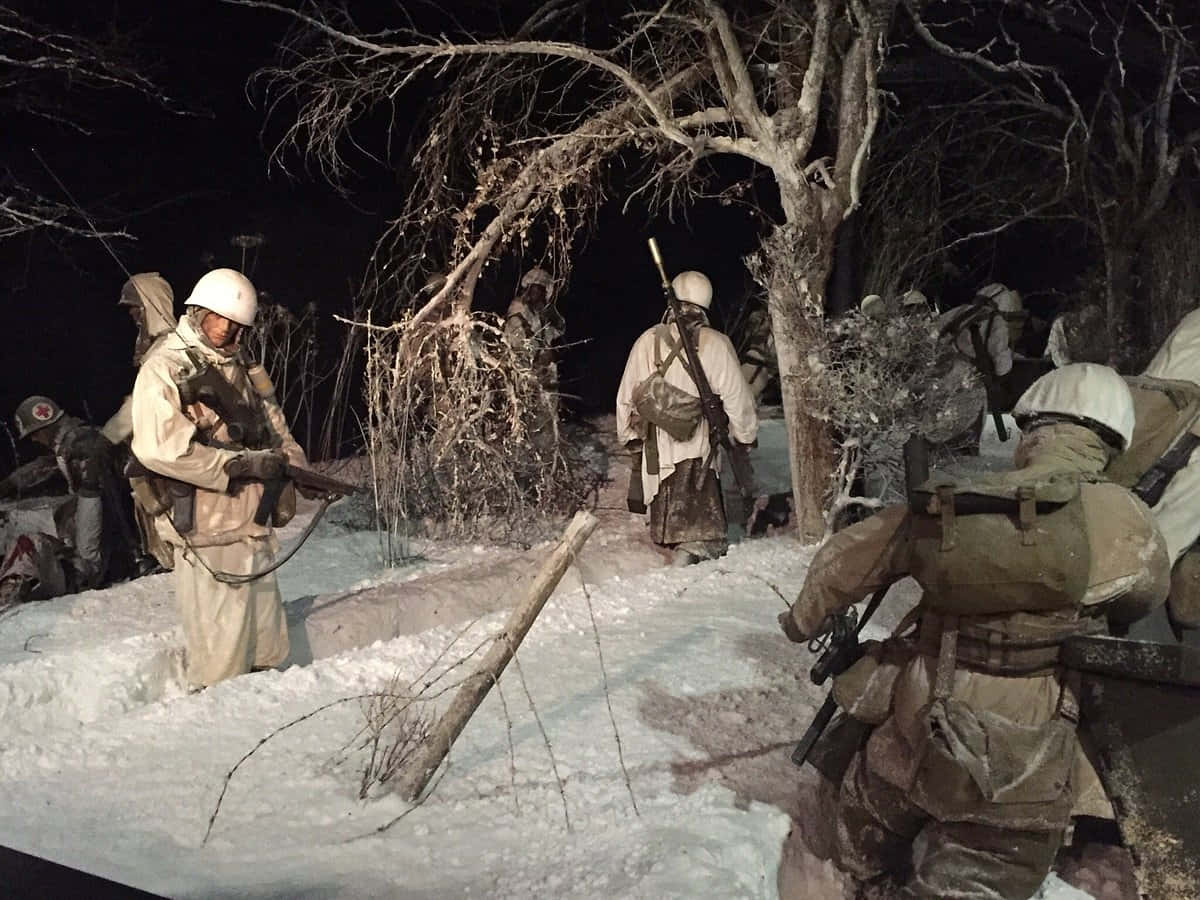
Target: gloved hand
788, 624
257, 465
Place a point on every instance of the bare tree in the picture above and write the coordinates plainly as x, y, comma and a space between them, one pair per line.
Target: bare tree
1109, 89
50, 75
525, 125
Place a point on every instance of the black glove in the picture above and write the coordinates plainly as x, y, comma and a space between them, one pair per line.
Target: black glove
790, 628
256, 465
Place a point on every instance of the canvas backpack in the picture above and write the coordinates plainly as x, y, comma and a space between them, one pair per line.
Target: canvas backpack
662, 404
1165, 410
1000, 543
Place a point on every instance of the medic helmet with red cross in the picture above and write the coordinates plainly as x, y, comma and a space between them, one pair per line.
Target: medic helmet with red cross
34, 414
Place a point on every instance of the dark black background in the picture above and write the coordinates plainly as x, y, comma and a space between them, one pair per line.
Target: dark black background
183, 185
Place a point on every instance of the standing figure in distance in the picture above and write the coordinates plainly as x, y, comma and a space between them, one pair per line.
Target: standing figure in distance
679, 467
150, 301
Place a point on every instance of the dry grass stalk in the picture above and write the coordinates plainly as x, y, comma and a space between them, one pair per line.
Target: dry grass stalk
463, 434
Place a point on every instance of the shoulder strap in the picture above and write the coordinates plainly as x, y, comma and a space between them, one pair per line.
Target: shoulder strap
958, 322
676, 347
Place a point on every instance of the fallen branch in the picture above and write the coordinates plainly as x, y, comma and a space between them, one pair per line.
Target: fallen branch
475, 688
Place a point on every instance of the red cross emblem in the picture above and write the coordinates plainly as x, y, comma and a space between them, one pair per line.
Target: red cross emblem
43, 411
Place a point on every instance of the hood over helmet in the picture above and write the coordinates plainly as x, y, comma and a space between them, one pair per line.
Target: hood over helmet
1089, 393
1005, 299
538, 276
873, 307
149, 292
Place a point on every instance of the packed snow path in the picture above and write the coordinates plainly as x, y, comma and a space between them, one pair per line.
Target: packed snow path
107, 764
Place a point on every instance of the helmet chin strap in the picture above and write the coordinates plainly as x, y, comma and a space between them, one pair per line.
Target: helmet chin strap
196, 315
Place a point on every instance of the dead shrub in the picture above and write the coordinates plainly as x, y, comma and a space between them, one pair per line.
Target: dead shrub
394, 728
463, 434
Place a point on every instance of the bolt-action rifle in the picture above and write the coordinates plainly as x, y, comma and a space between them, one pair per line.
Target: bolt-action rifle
1149, 488
302, 478
987, 371
839, 646
710, 403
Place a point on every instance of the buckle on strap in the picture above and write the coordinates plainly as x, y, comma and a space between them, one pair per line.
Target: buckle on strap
1068, 696
947, 658
1027, 514
945, 496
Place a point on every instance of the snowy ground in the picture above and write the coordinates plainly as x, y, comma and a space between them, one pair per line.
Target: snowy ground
108, 765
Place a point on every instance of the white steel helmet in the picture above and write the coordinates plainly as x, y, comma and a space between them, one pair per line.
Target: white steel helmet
693, 287
35, 413
228, 293
1006, 299
1087, 391
913, 298
872, 306
538, 276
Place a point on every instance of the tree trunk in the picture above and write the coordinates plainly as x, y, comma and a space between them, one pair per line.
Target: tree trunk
1123, 331
800, 256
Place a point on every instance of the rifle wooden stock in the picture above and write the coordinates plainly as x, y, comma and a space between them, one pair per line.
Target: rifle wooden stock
305, 478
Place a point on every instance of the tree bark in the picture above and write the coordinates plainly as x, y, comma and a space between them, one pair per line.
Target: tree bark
800, 255
429, 755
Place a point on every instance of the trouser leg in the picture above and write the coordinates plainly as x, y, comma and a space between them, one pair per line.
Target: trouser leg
876, 824
980, 862
228, 629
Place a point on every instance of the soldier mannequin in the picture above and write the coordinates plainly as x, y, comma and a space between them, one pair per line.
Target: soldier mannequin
971, 769
102, 545
679, 477
229, 629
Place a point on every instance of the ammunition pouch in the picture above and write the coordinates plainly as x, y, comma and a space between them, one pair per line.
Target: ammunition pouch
864, 690
150, 494
635, 499
975, 765
183, 506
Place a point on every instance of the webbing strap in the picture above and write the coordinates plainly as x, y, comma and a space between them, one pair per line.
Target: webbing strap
676, 346
947, 658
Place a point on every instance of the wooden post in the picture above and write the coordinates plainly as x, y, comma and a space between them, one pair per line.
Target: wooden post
429, 755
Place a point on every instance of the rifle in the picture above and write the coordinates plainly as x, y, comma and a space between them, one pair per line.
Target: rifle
305, 478
710, 403
1149, 488
843, 649
987, 369
840, 652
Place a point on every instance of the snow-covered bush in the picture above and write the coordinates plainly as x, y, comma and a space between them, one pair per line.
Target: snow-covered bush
880, 380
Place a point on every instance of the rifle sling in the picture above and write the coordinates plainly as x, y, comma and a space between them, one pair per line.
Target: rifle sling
1159, 475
